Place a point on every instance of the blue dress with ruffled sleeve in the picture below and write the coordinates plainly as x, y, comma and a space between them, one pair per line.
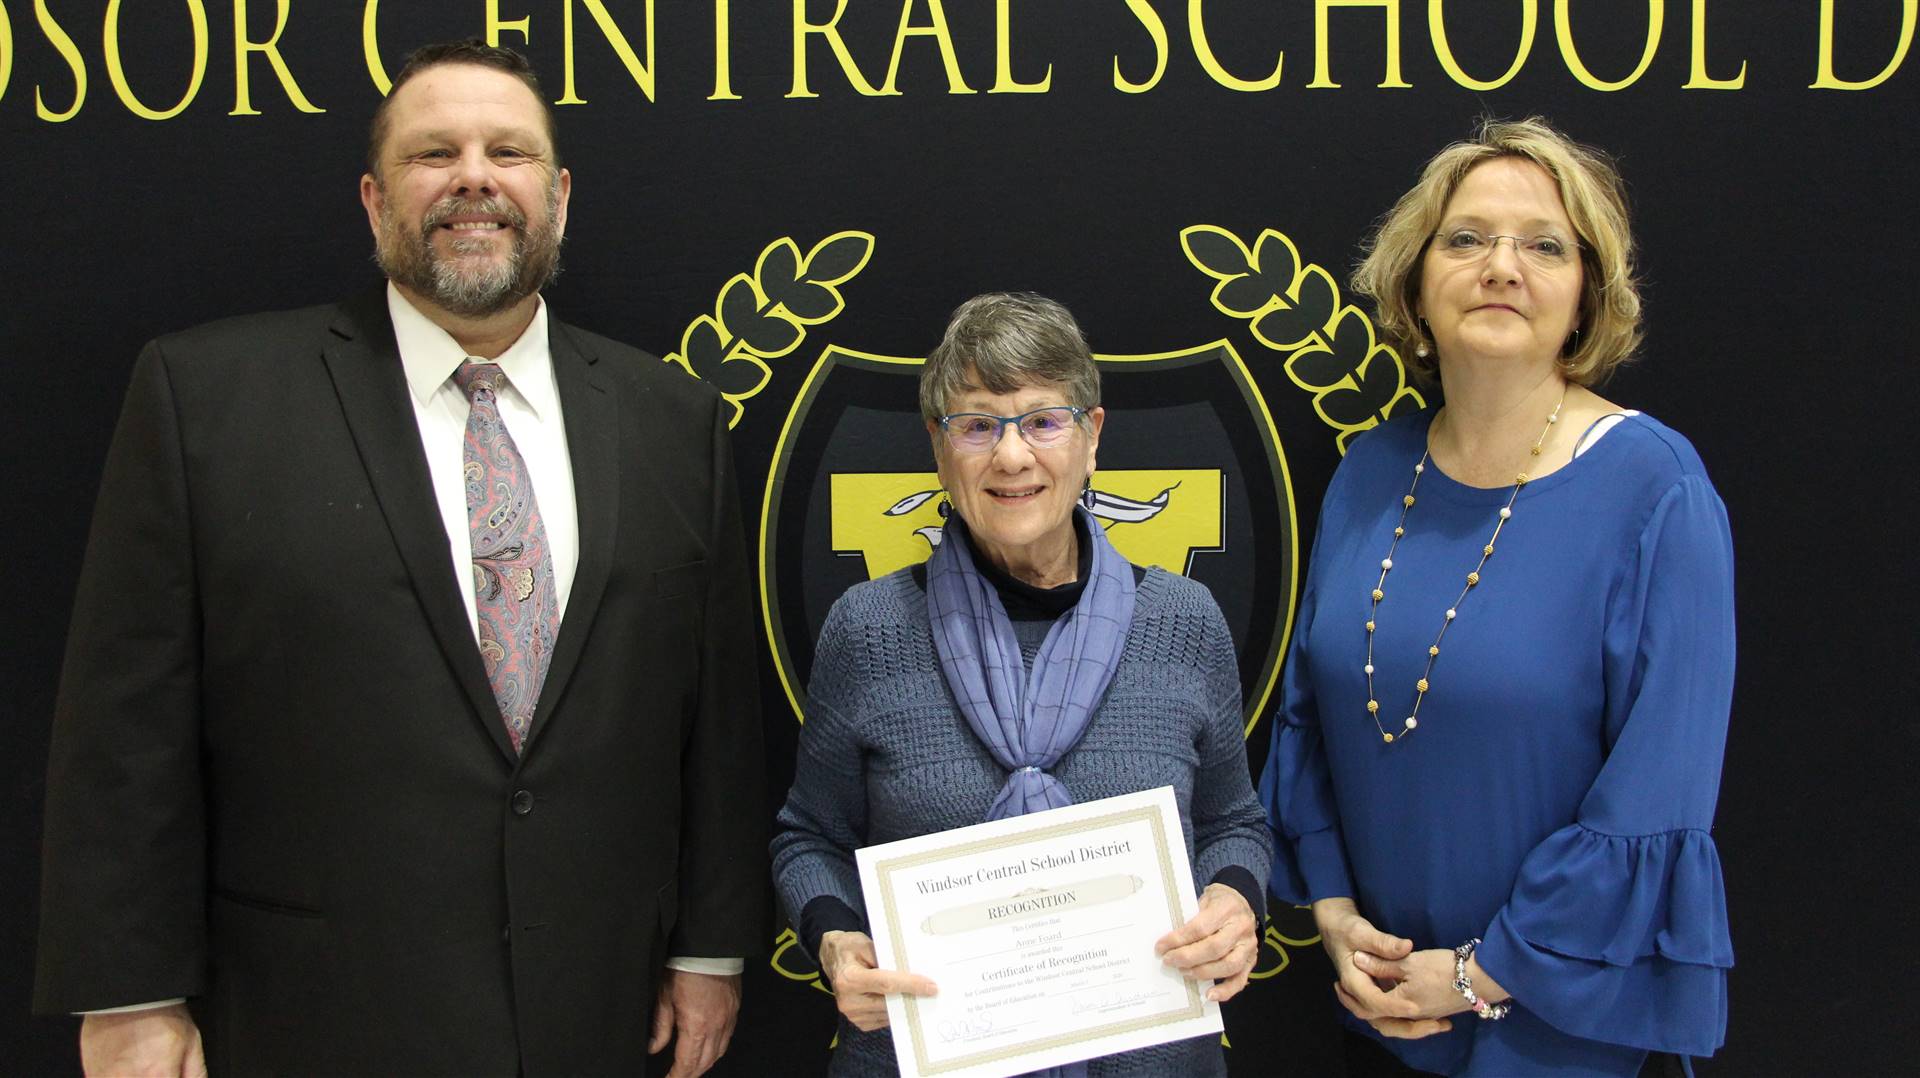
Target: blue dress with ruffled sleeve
1557, 794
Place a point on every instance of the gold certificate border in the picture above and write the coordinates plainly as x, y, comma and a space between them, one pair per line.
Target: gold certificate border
1149, 814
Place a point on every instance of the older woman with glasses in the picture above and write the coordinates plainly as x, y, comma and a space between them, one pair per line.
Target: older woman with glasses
1500, 739
1025, 666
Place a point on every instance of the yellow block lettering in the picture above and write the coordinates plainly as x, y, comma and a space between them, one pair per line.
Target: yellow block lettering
497, 26
830, 32
6, 50
1322, 67
1563, 30
722, 54
1436, 26
242, 100
1203, 51
62, 43
1827, 80
117, 74
1698, 78
1003, 81
1157, 30
370, 47
937, 30
642, 73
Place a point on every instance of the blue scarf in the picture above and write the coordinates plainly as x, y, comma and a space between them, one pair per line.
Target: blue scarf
1027, 720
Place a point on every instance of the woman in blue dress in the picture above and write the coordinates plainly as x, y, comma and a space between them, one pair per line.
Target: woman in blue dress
1498, 750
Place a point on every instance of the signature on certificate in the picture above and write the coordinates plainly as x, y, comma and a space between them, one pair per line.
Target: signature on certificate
1103, 999
973, 1025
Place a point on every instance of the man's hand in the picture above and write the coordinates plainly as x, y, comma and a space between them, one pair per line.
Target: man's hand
859, 989
695, 1011
1219, 944
161, 1042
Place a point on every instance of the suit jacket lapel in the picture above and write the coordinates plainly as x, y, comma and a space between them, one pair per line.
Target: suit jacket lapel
364, 363
590, 407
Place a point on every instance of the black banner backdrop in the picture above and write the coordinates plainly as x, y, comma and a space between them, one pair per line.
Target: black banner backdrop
789, 197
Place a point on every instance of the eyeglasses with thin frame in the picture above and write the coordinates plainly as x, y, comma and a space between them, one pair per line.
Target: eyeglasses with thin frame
1042, 428
1544, 251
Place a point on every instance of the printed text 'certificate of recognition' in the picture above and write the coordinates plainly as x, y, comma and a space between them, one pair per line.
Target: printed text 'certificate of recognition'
1039, 931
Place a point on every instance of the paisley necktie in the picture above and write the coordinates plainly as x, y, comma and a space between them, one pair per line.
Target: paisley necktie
512, 568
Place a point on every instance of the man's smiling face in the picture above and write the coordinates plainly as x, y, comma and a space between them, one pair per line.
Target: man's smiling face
467, 209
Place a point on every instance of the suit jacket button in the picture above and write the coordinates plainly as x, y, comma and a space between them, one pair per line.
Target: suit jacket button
522, 802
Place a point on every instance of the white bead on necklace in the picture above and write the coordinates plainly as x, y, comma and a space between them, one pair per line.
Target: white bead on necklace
1420, 687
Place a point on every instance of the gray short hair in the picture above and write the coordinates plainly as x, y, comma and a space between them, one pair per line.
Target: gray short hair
1005, 341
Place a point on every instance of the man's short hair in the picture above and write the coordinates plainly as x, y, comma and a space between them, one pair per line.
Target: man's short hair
475, 51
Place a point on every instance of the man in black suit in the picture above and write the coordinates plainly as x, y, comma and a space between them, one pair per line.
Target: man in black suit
408, 723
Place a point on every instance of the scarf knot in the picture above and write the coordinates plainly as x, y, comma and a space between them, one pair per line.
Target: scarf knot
1027, 719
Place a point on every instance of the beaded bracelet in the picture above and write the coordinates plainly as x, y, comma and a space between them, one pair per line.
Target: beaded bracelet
1463, 984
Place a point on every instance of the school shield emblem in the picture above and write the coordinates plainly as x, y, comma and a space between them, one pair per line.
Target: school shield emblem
1192, 479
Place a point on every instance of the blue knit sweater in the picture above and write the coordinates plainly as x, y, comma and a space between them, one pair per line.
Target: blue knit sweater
885, 754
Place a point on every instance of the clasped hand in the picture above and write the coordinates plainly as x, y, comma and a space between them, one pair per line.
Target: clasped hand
1383, 981
1218, 944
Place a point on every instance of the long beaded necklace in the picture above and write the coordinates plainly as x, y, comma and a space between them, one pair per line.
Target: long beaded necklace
1421, 686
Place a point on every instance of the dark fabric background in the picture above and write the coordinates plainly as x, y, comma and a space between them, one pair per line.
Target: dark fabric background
1777, 222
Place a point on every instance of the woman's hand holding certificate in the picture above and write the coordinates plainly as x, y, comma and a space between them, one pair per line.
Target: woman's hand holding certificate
1218, 945
859, 989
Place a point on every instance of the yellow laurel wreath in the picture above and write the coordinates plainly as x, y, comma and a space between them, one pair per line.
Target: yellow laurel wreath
764, 315
1356, 382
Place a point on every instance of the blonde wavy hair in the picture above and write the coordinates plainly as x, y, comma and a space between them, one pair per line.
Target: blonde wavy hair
1595, 199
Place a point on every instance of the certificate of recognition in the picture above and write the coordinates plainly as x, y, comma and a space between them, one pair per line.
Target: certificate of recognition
1039, 931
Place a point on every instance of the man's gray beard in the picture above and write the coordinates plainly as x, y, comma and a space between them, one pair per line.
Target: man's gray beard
409, 259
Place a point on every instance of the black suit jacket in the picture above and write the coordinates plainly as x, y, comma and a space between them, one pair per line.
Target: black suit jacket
279, 782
